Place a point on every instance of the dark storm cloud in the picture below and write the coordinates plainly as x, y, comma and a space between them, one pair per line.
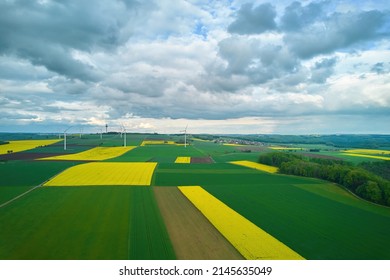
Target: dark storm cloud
256, 60
63, 85
94, 62
254, 20
297, 16
381, 68
323, 70
338, 31
45, 33
144, 85
20, 69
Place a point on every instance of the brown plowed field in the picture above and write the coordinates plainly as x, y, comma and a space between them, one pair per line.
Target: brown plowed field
27, 156
192, 235
320, 156
252, 149
201, 160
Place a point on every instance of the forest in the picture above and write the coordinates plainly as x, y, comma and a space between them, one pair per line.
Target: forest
358, 180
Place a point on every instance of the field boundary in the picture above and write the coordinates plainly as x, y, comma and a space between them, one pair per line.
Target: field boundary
249, 239
30, 190
19, 196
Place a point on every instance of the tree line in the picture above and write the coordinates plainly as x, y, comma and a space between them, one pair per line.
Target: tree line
363, 183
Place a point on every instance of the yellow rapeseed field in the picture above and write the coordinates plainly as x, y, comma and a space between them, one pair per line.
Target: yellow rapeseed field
200, 140
284, 148
98, 153
366, 156
23, 145
234, 145
183, 160
250, 240
255, 165
369, 151
157, 142
106, 174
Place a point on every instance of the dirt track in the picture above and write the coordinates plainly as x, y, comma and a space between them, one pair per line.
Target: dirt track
193, 236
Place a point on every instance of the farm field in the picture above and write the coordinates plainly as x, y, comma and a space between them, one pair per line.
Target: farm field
367, 156
84, 223
195, 238
23, 145
133, 204
106, 173
98, 153
20, 176
312, 225
183, 160
251, 241
158, 153
255, 165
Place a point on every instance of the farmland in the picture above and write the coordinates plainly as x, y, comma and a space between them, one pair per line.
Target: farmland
106, 173
99, 153
258, 166
84, 223
157, 199
251, 241
23, 145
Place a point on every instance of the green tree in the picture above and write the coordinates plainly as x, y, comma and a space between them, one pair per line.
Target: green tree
370, 191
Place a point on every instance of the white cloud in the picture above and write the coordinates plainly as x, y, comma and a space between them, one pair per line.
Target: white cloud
154, 64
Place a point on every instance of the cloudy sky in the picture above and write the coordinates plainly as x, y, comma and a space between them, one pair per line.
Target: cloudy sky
229, 66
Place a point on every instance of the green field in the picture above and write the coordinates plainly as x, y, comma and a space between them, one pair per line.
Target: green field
158, 153
317, 219
20, 176
218, 174
84, 223
313, 225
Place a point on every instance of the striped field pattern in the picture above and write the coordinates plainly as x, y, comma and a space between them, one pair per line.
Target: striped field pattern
250, 240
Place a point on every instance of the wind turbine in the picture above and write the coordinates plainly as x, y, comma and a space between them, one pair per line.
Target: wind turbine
124, 140
185, 136
124, 133
65, 136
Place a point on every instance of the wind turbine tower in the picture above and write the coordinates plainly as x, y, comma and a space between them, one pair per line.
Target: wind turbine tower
65, 137
185, 136
106, 128
124, 133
